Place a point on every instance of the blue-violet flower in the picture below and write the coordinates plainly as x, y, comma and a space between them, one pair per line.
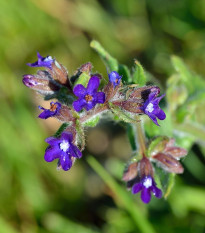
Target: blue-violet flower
88, 97
114, 78
146, 186
42, 61
151, 108
63, 149
54, 110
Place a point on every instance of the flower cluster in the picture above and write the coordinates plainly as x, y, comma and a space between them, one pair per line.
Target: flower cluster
79, 101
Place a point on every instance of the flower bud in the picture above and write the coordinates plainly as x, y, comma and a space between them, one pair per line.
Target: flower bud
169, 163
145, 167
176, 152
35, 82
60, 74
129, 105
131, 172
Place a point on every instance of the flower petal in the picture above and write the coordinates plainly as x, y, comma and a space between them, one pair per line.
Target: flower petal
90, 105
67, 136
75, 152
93, 84
46, 114
160, 114
78, 105
65, 162
146, 195
52, 141
79, 90
153, 118
100, 96
136, 188
52, 153
156, 191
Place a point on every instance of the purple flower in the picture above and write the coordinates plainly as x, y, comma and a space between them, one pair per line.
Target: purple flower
54, 110
146, 186
42, 61
63, 149
114, 78
151, 108
88, 97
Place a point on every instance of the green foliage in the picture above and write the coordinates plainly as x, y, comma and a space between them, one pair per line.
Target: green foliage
138, 75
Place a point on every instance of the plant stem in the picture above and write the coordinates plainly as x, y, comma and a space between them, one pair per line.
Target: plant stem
92, 113
140, 137
121, 197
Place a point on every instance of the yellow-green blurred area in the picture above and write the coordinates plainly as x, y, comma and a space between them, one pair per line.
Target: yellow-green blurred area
34, 196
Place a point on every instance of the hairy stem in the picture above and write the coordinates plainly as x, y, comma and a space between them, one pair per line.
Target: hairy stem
94, 112
140, 137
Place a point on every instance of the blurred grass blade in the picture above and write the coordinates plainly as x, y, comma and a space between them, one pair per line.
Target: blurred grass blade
123, 198
6, 228
57, 223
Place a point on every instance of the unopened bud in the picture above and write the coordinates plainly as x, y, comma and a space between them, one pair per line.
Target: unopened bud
35, 82
131, 172
169, 163
145, 168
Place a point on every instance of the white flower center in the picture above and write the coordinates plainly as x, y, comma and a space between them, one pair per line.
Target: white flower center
150, 107
64, 146
147, 182
48, 58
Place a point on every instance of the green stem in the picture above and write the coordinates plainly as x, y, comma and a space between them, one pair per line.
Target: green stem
122, 198
140, 137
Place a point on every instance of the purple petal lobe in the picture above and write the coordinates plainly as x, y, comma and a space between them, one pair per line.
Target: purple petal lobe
153, 118
75, 152
145, 195
136, 188
114, 78
161, 114
79, 104
65, 162
90, 105
42, 62
100, 97
156, 191
93, 84
52, 141
67, 136
79, 90
46, 114
51, 154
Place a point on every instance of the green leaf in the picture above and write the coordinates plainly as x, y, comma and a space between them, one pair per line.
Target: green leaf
83, 79
164, 180
138, 76
61, 129
92, 122
124, 72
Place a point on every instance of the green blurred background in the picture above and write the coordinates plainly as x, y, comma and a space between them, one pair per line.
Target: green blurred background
34, 196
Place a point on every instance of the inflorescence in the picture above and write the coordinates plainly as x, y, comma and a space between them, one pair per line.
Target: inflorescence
80, 102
